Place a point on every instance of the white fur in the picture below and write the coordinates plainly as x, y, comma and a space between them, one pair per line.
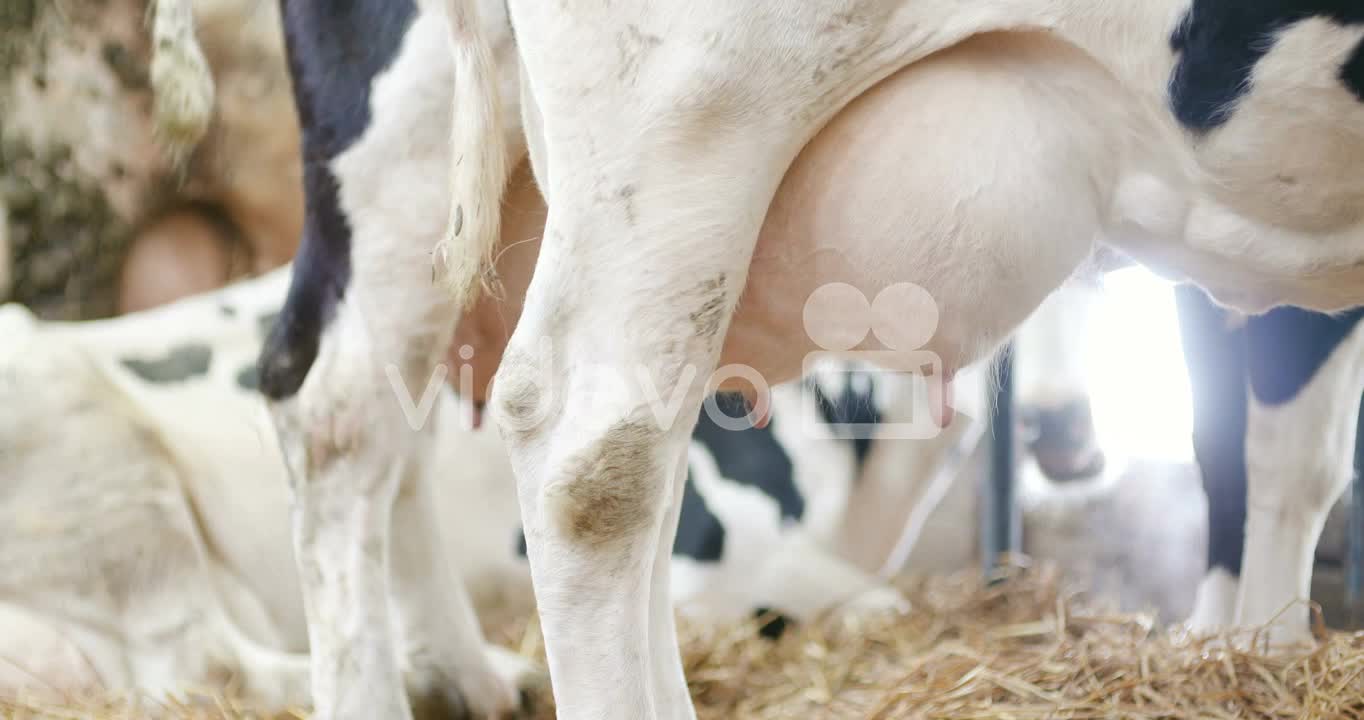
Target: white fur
1299, 459
477, 175
180, 78
1214, 603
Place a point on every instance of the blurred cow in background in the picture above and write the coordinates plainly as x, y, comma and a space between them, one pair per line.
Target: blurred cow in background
145, 502
1276, 399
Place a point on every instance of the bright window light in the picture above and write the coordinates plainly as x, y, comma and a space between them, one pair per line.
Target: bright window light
1139, 387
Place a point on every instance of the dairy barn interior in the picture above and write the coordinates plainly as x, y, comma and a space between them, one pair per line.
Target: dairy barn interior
1140, 504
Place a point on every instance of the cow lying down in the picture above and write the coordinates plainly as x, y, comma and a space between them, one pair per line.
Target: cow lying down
144, 505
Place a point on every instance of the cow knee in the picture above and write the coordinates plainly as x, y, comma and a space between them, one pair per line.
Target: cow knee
522, 395
609, 490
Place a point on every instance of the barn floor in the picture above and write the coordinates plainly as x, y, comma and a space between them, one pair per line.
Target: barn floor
1021, 649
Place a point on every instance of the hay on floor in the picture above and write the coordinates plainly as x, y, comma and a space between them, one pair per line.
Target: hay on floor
1018, 650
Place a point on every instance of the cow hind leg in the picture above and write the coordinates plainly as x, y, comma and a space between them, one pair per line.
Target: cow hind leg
383, 605
344, 480
1306, 377
450, 669
599, 390
363, 331
600, 468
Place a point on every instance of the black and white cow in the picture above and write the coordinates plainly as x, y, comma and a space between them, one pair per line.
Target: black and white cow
1298, 374
938, 168
1276, 401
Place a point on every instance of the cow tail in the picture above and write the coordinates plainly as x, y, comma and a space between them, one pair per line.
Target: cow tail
478, 172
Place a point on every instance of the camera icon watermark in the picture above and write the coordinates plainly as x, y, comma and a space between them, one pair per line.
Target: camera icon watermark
903, 317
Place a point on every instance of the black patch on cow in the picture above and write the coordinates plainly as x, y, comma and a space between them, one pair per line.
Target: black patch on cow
771, 624
700, 536
1352, 72
1220, 41
849, 407
179, 364
1286, 347
335, 51
1215, 356
521, 549
752, 456
248, 378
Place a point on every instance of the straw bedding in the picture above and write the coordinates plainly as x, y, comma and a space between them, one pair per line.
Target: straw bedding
1019, 649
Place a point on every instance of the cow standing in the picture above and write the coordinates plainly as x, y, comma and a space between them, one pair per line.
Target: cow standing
937, 161
1276, 405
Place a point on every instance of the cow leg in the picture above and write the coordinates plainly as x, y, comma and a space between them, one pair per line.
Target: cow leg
363, 331
450, 668
629, 326
1306, 377
1215, 356
357, 438
343, 447
599, 389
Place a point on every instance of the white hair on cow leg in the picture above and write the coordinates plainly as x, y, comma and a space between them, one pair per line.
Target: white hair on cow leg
1295, 471
1214, 604
182, 84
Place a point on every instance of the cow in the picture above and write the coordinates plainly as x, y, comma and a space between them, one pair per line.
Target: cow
1303, 385
146, 560
1276, 400
939, 166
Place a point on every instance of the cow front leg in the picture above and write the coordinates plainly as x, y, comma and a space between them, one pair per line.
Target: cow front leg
1306, 377
1215, 356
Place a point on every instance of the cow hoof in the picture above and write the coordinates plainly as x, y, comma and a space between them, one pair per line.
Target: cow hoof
1214, 604
502, 690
